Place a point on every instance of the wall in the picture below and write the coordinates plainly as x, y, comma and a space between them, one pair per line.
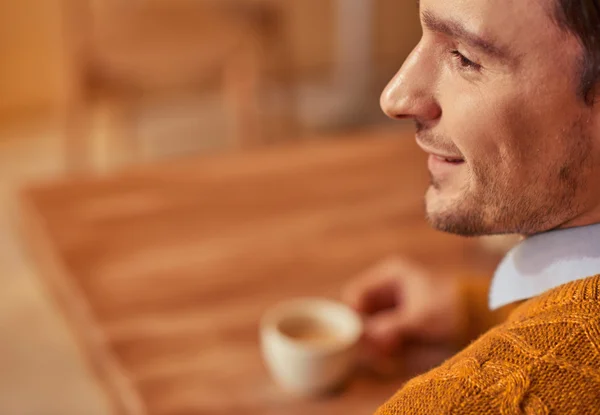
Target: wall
30, 64
396, 32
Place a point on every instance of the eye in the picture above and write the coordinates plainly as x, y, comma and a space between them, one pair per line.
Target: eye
464, 62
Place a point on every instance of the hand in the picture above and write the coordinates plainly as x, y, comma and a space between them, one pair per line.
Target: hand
403, 301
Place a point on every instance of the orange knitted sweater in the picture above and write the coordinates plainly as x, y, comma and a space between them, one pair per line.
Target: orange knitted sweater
543, 359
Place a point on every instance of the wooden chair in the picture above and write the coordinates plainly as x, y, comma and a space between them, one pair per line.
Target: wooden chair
123, 51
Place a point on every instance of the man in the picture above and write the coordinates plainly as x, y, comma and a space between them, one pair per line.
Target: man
505, 95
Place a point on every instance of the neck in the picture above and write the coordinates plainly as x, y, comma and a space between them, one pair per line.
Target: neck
589, 217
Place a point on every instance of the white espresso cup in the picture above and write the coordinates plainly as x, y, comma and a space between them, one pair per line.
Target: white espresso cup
309, 344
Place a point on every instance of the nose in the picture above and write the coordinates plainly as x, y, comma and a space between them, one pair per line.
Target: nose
410, 94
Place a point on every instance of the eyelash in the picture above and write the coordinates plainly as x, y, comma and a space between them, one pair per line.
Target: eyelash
464, 62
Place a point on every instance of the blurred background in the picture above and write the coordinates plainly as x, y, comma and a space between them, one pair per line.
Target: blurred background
181, 78
93, 86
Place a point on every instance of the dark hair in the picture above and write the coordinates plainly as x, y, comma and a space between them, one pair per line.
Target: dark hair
582, 18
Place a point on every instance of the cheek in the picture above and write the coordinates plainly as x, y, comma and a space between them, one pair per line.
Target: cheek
472, 123
494, 127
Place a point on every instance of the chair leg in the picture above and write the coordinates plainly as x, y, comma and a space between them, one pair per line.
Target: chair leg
279, 51
98, 136
77, 132
243, 81
117, 141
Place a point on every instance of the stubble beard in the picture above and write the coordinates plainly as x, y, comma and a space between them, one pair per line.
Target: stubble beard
459, 217
501, 204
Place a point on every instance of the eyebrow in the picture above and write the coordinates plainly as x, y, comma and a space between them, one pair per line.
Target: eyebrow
458, 31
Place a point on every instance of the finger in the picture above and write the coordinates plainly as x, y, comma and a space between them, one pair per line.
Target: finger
370, 293
376, 289
387, 330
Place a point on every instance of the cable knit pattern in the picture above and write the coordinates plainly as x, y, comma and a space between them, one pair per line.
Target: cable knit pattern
545, 359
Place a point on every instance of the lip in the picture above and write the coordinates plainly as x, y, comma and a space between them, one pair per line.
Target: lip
442, 169
440, 155
441, 165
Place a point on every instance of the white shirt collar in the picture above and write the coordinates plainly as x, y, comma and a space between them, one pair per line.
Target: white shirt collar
545, 261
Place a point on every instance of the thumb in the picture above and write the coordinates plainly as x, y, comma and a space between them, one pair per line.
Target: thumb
386, 330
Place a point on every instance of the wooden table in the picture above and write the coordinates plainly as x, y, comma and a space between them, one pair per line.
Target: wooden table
164, 271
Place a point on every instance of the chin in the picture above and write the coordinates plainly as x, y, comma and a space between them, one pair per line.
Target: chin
440, 199
454, 214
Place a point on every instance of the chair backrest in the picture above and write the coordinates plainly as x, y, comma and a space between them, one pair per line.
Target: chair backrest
115, 19
158, 39
97, 21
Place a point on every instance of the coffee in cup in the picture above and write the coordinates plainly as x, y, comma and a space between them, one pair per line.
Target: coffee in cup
309, 344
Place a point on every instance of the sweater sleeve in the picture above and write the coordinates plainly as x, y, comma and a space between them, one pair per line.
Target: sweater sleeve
541, 360
476, 317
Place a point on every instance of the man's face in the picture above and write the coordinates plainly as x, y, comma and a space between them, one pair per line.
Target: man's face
492, 87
